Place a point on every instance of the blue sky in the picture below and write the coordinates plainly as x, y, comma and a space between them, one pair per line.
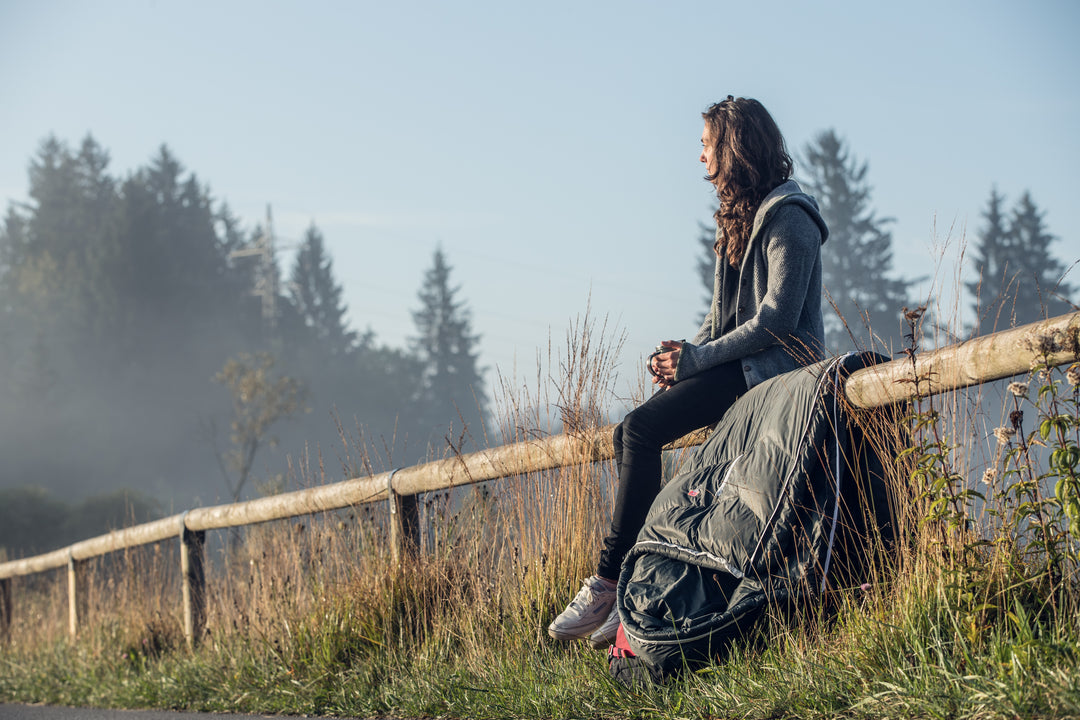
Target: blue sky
549, 148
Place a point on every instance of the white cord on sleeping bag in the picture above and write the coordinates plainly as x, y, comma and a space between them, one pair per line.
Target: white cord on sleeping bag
837, 472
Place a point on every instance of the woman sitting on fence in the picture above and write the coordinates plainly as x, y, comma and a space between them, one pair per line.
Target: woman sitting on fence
765, 319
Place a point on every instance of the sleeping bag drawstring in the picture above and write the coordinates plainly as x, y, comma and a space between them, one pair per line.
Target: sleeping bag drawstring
837, 471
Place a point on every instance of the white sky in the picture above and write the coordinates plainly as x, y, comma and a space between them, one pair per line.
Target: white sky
550, 148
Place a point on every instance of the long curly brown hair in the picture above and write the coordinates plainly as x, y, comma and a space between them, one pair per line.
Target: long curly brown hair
751, 160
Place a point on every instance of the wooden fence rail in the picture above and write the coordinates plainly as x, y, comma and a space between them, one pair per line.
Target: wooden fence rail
980, 360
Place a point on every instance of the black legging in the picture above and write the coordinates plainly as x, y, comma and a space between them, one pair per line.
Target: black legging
687, 405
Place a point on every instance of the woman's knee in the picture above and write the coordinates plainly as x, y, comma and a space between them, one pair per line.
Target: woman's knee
637, 429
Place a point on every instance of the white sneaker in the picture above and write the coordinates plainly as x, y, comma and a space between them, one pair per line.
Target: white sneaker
587, 611
604, 636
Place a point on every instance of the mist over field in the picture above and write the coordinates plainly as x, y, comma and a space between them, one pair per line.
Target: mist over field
155, 345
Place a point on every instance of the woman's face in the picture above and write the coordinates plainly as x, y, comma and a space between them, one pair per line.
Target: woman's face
708, 152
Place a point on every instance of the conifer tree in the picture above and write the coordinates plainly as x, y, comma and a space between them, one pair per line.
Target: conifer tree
173, 272
992, 250
1019, 280
1040, 288
317, 296
55, 247
857, 258
452, 382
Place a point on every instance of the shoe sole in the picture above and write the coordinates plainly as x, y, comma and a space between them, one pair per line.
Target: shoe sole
559, 635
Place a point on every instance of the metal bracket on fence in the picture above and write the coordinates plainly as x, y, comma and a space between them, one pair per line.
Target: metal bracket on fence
390, 491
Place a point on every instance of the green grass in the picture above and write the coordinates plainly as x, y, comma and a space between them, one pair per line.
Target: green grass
876, 660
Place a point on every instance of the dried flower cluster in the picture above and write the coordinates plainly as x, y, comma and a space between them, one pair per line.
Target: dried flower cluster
1019, 389
1004, 435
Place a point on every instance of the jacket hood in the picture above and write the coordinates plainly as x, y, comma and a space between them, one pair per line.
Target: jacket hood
787, 193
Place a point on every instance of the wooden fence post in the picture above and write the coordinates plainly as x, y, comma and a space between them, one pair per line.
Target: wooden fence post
193, 583
5, 609
404, 523
75, 577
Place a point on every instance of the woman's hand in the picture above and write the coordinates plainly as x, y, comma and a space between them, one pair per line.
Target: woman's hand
663, 362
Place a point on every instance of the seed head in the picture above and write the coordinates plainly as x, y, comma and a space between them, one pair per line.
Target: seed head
913, 315
1019, 389
1004, 434
1072, 375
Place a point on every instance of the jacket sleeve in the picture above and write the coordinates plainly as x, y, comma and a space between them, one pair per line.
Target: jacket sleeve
791, 244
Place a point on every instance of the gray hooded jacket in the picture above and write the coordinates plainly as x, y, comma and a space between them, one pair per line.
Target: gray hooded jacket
778, 316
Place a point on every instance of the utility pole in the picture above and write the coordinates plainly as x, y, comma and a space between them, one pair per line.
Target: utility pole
266, 277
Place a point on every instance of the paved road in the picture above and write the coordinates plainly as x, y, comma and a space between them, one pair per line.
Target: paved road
52, 712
